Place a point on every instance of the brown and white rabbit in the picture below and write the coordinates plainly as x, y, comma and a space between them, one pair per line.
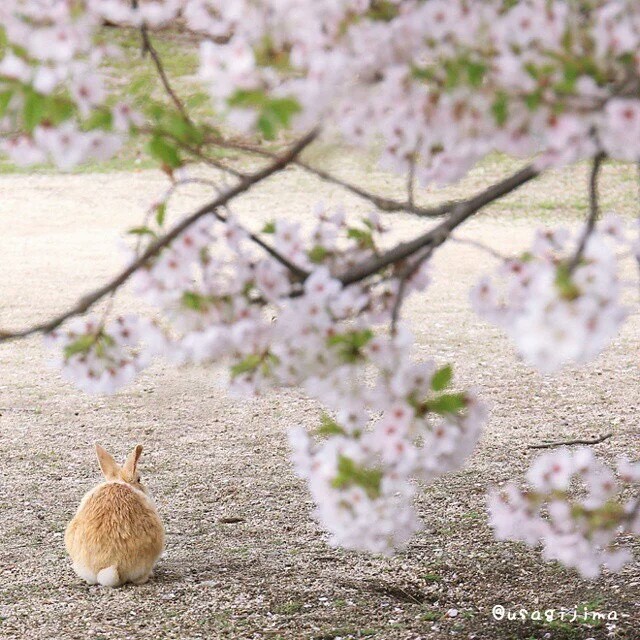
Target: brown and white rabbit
116, 535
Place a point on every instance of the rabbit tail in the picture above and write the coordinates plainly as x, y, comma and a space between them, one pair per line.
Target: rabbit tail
109, 577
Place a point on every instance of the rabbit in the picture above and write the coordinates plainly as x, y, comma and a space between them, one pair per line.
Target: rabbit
116, 535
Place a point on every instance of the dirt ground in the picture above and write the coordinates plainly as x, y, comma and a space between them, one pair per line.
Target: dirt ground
209, 457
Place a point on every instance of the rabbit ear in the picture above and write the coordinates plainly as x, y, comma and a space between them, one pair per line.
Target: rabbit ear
132, 461
108, 465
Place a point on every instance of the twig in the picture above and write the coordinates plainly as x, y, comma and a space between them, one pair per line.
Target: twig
478, 245
436, 236
384, 204
148, 46
404, 277
216, 164
594, 211
87, 301
567, 443
411, 178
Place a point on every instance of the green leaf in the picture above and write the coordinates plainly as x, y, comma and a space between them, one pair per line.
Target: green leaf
533, 100
452, 70
568, 289
5, 98
317, 254
349, 344
282, 110
246, 99
141, 85
99, 120
269, 227
442, 378
476, 71
268, 54
571, 74
383, 11
356, 338
275, 113
329, 427
142, 231
197, 99
500, 108
447, 403
57, 110
250, 363
350, 473
161, 212
423, 73
33, 110
81, 345
194, 301
181, 129
364, 237
164, 151
266, 127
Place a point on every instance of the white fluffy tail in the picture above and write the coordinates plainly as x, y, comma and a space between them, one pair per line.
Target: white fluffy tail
109, 577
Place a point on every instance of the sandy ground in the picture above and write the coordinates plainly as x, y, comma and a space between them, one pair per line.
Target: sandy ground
209, 457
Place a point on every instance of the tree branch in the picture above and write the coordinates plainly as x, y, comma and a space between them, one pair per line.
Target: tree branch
406, 275
436, 236
148, 46
561, 443
480, 246
432, 239
384, 204
87, 301
594, 211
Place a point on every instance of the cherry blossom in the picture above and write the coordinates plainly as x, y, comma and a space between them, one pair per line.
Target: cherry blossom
557, 316
578, 531
102, 359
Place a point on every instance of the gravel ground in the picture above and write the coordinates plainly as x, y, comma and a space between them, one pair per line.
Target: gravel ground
210, 459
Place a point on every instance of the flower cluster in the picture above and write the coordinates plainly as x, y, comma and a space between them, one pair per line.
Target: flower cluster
361, 467
554, 313
436, 81
53, 97
579, 532
102, 359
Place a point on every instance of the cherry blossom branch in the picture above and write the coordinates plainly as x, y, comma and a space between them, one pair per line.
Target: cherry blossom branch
196, 152
480, 246
89, 300
411, 178
438, 234
408, 272
300, 273
594, 210
208, 160
567, 443
147, 46
384, 204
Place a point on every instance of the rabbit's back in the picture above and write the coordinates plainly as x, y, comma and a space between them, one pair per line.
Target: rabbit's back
116, 525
